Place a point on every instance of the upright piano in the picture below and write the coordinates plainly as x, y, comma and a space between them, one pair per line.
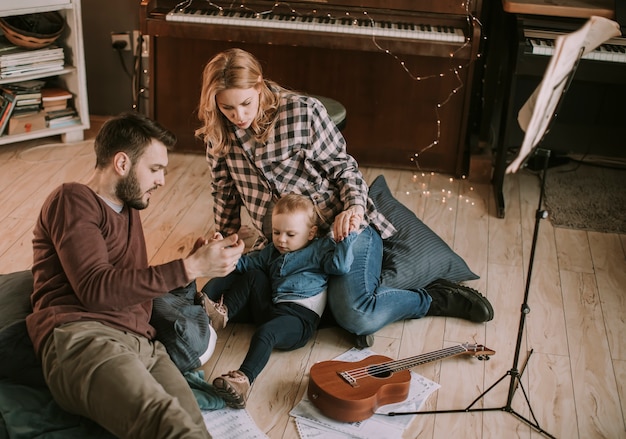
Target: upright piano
402, 68
591, 117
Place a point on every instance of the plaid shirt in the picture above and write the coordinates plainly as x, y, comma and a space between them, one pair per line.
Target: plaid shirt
307, 155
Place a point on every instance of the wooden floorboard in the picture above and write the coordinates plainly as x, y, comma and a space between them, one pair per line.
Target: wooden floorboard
574, 342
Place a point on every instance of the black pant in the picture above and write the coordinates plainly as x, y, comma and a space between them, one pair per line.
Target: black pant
285, 325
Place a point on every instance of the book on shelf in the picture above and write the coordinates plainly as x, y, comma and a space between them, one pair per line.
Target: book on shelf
16, 61
22, 101
31, 69
69, 111
64, 123
61, 105
63, 117
23, 98
20, 109
29, 60
55, 98
51, 94
7, 105
26, 99
29, 86
11, 54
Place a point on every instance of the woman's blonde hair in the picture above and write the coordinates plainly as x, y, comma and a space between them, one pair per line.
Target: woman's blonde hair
234, 68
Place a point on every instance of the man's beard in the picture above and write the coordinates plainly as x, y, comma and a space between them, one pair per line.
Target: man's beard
129, 192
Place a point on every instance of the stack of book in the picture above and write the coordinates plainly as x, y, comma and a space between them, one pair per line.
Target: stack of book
62, 118
28, 105
25, 98
54, 98
27, 95
15, 61
56, 105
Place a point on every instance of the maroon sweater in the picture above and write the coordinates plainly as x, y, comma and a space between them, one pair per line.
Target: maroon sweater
90, 263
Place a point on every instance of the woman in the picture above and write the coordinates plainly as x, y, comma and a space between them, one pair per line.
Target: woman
264, 141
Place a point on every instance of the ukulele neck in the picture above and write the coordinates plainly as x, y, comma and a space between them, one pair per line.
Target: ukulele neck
408, 363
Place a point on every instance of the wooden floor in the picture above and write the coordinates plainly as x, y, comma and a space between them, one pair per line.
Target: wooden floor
576, 328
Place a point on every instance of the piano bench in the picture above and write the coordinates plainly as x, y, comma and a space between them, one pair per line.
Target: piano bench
335, 109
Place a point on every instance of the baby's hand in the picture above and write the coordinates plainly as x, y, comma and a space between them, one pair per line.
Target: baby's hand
200, 242
246, 232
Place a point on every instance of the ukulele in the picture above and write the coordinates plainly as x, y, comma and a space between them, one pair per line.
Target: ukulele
352, 391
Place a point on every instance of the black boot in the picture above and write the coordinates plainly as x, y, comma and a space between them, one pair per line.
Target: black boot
454, 300
363, 341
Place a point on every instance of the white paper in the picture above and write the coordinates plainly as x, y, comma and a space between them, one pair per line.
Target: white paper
230, 423
536, 114
313, 424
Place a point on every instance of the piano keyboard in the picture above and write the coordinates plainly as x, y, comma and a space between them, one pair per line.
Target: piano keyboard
542, 43
350, 26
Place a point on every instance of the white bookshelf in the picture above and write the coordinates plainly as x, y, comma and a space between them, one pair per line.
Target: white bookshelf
72, 77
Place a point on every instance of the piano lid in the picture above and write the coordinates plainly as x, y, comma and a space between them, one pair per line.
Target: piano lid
448, 7
562, 8
340, 25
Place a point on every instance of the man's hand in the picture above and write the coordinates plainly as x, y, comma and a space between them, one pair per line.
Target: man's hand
216, 257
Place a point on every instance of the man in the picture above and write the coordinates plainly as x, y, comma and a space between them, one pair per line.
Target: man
93, 291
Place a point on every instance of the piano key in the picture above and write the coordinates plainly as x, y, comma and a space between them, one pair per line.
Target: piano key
542, 43
352, 26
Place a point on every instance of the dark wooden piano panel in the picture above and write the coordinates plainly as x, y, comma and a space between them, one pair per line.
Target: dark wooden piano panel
390, 116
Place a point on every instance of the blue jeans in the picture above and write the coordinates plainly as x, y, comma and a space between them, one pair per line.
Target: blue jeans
359, 303
285, 326
357, 300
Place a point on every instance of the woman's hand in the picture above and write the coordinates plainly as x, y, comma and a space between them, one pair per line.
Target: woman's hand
347, 221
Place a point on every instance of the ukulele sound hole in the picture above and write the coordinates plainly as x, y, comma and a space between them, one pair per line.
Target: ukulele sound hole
379, 371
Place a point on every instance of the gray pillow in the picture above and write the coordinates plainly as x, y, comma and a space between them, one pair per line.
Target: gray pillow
15, 291
415, 256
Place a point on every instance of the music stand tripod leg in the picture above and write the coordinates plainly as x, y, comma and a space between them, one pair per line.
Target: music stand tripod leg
514, 373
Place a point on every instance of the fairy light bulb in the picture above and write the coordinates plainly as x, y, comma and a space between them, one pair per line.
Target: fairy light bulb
452, 71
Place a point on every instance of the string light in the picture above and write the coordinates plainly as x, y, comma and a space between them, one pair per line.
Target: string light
454, 69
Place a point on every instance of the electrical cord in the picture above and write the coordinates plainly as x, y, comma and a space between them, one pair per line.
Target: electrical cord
119, 48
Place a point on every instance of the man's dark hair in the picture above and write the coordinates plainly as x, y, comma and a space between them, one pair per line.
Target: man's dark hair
131, 133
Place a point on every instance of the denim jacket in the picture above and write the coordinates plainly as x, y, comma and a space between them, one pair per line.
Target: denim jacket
302, 273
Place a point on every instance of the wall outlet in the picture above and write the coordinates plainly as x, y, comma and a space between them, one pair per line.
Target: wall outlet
141, 43
120, 40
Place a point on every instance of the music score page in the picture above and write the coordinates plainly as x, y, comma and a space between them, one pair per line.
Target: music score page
536, 114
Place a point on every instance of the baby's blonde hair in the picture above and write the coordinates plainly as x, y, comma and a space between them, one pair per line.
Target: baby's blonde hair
292, 203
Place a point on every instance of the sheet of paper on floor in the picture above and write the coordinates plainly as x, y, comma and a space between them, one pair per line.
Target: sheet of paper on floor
230, 423
312, 424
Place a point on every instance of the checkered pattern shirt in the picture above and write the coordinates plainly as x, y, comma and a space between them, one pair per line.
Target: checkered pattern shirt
307, 155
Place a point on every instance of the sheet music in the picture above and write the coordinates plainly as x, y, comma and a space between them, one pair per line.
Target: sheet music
230, 423
536, 114
312, 424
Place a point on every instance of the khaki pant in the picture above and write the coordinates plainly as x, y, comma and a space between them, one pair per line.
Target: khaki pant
122, 381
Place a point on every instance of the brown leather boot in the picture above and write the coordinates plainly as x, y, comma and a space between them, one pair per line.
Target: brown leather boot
233, 387
217, 312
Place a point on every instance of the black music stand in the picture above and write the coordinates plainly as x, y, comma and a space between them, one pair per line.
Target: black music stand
542, 117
